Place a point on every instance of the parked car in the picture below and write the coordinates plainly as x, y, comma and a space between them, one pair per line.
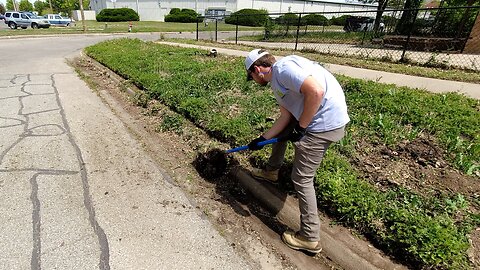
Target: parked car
57, 20
2, 17
359, 24
23, 20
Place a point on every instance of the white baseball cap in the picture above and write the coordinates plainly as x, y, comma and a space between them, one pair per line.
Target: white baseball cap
252, 57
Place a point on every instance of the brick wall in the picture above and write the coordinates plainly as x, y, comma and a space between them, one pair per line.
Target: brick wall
473, 43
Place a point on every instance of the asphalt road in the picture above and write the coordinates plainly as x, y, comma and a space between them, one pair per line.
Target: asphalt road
77, 191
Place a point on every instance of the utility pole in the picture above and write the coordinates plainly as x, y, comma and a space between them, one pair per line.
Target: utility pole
83, 16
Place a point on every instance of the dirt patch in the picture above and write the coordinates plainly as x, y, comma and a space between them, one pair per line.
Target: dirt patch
213, 164
419, 165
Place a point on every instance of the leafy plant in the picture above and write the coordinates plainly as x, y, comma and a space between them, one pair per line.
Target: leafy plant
172, 122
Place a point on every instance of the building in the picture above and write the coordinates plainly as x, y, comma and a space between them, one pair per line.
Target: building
155, 10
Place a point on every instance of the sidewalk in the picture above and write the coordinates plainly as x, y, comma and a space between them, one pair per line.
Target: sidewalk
433, 85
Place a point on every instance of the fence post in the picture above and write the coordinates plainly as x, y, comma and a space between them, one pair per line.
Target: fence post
236, 30
216, 29
197, 27
364, 34
298, 30
402, 59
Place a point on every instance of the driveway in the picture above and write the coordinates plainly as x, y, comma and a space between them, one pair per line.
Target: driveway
77, 190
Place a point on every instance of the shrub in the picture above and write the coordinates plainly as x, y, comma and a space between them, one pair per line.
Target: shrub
315, 19
289, 19
175, 11
117, 15
183, 16
248, 17
340, 20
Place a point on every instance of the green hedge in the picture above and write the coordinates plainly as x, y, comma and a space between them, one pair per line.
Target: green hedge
315, 19
248, 17
339, 20
117, 15
426, 232
183, 16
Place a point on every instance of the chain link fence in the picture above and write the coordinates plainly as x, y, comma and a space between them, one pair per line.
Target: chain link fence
435, 37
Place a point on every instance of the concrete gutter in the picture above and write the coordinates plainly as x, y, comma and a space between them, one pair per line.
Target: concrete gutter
348, 252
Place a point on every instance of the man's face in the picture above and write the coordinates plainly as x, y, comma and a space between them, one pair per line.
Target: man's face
257, 78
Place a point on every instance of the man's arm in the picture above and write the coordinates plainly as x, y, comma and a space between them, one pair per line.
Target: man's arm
313, 94
280, 124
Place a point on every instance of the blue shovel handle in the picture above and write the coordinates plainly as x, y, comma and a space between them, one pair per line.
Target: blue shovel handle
245, 147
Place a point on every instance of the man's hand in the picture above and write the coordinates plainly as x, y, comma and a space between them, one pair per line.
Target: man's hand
253, 144
297, 133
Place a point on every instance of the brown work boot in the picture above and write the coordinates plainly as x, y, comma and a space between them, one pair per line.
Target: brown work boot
269, 176
296, 241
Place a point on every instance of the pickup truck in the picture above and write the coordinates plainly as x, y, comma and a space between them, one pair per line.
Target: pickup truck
57, 20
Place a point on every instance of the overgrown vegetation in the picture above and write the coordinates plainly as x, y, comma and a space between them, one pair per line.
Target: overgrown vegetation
425, 231
248, 17
182, 15
117, 15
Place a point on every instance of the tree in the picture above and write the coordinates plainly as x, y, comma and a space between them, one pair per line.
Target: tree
40, 6
2, 8
382, 5
408, 18
25, 5
67, 6
11, 5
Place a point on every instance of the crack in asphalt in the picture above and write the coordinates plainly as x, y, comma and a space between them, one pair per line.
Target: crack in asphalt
46, 130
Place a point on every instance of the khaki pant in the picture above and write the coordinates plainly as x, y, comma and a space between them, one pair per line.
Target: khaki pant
309, 152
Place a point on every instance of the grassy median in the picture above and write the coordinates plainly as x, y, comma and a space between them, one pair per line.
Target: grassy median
425, 230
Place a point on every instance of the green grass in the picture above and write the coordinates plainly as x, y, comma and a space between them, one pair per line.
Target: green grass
327, 36
429, 232
374, 64
119, 27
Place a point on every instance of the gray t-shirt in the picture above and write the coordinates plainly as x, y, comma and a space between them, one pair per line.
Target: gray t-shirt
288, 75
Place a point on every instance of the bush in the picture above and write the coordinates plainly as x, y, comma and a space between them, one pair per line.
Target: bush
248, 17
340, 20
315, 19
175, 11
183, 16
289, 19
117, 15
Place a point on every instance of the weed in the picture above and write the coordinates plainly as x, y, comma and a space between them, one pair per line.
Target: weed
141, 99
435, 63
172, 122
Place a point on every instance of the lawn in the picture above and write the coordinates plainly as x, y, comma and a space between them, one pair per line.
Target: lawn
122, 27
388, 178
361, 62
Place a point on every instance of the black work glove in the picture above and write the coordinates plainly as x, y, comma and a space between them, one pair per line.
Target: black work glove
253, 144
297, 133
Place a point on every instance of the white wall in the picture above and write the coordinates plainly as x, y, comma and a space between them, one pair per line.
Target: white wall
155, 10
90, 15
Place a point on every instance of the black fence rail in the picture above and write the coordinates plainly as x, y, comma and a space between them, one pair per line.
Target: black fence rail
437, 37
